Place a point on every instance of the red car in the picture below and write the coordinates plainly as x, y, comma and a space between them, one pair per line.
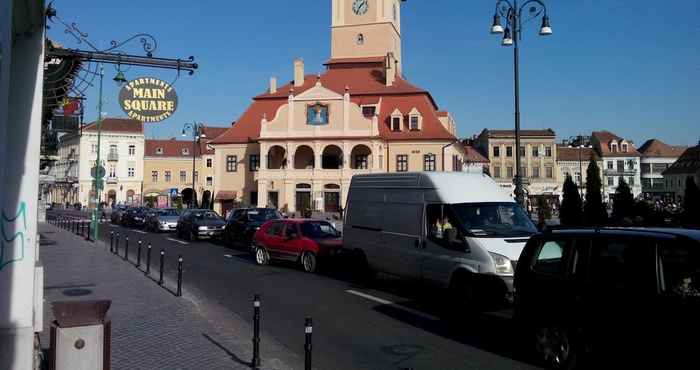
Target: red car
300, 240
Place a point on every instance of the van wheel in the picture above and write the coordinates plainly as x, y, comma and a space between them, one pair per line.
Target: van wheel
556, 347
360, 269
309, 261
261, 256
462, 294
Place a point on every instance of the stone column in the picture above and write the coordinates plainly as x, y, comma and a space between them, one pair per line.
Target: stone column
262, 193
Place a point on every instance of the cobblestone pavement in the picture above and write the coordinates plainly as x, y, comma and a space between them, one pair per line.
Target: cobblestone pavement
151, 328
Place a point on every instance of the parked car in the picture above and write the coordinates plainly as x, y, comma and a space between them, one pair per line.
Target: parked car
162, 220
614, 296
134, 217
116, 215
198, 223
455, 230
244, 222
304, 241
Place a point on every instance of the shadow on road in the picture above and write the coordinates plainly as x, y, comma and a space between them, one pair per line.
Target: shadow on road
234, 357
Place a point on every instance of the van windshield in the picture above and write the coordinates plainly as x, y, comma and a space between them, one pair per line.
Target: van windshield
494, 220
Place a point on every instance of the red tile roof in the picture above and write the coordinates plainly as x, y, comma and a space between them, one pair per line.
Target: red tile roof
564, 153
657, 148
606, 137
473, 156
365, 83
171, 148
117, 125
687, 164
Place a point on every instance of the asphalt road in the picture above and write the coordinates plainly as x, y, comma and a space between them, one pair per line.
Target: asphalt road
389, 324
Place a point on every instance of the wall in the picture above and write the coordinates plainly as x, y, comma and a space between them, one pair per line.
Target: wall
240, 181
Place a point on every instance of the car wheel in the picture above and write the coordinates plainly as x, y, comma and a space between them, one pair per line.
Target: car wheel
555, 347
309, 261
192, 236
462, 294
261, 256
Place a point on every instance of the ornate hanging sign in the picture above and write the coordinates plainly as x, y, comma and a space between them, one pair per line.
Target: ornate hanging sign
148, 99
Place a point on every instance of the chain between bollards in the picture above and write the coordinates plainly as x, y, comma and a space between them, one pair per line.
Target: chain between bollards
179, 276
162, 259
308, 330
126, 249
256, 332
148, 260
138, 256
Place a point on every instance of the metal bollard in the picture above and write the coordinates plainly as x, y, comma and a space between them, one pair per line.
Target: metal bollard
162, 259
116, 245
307, 346
179, 276
256, 332
148, 260
111, 241
138, 256
126, 249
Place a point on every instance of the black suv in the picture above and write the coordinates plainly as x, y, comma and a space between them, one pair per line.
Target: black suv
199, 223
242, 224
610, 297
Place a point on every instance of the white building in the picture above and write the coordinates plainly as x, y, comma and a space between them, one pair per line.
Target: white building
121, 154
621, 161
657, 156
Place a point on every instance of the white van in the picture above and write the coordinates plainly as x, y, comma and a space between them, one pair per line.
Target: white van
457, 230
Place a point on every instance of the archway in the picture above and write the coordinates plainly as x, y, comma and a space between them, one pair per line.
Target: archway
130, 196
276, 158
206, 200
303, 199
304, 158
111, 198
189, 198
332, 158
360, 157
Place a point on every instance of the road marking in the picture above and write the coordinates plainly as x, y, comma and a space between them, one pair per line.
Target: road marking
177, 241
390, 303
228, 256
140, 232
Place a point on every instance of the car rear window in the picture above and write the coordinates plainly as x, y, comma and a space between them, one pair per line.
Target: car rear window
550, 258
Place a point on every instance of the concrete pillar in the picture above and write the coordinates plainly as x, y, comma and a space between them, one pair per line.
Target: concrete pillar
289, 196
318, 152
21, 281
262, 193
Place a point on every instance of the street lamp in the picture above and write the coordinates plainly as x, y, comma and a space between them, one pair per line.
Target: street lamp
97, 180
197, 134
580, 142
513, 16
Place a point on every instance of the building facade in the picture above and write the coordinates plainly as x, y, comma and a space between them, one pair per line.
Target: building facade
538, 152
168, 170
687, 165
297, 147
657, 157
574, 162
121, 155
621, 161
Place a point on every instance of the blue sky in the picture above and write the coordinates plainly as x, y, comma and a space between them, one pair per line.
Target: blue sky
632, 67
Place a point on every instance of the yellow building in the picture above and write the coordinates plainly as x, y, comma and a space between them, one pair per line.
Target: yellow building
296, 147
168, 170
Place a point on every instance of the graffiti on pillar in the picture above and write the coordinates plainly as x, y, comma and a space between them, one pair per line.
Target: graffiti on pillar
12, 246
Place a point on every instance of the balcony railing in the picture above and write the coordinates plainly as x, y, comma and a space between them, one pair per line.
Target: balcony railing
112, 157
111, 180
618, 172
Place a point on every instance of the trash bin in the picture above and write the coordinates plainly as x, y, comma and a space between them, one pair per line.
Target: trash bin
80, 336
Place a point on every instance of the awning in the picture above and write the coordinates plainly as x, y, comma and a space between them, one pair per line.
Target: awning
225, 195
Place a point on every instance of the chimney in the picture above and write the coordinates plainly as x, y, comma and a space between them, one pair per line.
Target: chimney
273, 85
298, 72
390, 67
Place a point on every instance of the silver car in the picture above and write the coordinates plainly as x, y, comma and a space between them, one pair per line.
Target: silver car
162, 220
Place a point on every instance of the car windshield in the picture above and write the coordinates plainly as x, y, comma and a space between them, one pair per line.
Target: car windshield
318, 230
494, 219
167, 212
207, 215
263, 214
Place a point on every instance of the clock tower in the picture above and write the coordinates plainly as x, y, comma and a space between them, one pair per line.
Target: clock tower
366, 28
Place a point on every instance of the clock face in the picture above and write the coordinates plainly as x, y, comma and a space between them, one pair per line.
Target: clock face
360, 7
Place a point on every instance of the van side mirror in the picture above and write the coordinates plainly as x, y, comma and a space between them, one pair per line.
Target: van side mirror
461, 244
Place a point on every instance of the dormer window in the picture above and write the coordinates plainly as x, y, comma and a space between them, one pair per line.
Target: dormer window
624, 148
159, 151
369, 110
415, 120
613, 147
185, 151
397, 121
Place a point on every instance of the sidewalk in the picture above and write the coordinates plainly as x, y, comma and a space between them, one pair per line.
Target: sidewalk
151, 328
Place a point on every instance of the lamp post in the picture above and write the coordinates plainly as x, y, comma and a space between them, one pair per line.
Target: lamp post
197, 134
580, 142
511, 34
97, 180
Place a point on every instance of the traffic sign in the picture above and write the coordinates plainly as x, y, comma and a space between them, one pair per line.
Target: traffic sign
173, 193
98, 172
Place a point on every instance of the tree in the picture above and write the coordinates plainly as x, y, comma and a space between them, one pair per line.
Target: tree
623, 206
594, 212
691, 203
570, 213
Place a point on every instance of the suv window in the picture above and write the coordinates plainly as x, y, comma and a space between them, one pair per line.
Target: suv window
550, 258
623, 264
275, 229
680, 270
